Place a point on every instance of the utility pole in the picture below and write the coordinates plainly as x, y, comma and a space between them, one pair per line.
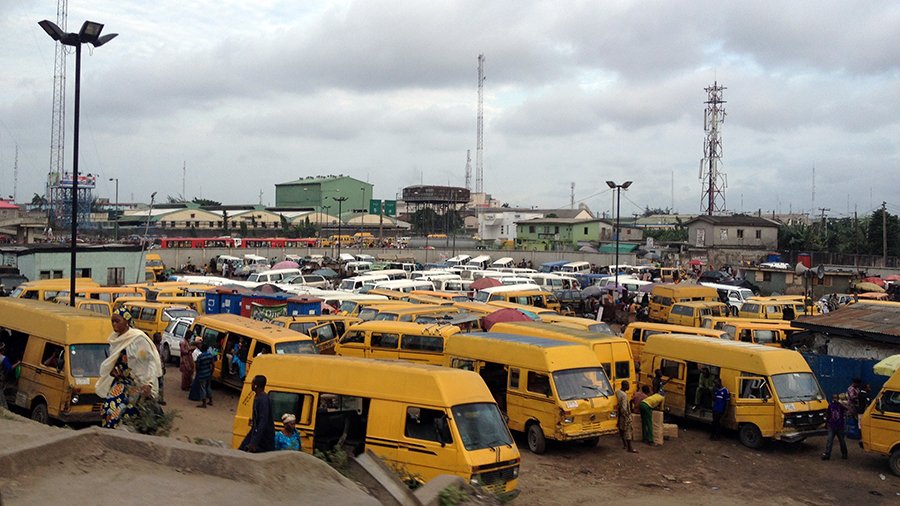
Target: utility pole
884, 234
824, 233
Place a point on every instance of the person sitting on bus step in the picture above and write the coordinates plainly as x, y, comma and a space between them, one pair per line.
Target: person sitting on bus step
704, 389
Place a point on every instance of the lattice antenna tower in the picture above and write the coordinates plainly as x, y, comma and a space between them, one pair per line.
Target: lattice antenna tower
479, 146
572, 196
58, 119
713, 179
469, 169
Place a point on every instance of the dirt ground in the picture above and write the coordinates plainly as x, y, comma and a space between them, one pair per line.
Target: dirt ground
688, 470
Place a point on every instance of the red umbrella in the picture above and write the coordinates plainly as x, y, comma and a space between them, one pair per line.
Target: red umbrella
481, 284
286, 264
874, 279
893, 277
503, 315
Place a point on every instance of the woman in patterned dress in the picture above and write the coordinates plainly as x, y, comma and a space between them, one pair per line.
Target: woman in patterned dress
129, 373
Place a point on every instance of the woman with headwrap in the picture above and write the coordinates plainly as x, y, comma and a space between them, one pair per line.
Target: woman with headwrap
288, 438
129, 373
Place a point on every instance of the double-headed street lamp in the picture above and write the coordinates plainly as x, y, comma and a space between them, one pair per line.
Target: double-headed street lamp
89, 34
618, 188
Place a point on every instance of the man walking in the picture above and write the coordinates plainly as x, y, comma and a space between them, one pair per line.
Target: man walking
261, 437
648, 405
624, 414
721, 398
201, 388
836, 414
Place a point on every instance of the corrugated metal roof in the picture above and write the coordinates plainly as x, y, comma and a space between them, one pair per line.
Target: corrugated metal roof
880, 322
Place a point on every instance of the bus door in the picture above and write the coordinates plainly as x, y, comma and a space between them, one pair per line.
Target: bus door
752, 403
674, 373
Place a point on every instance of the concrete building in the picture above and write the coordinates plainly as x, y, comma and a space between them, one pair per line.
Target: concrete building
745, 232
108, 265
555, 234
317, 192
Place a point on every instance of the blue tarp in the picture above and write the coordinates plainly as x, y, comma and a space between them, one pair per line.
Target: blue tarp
836, 373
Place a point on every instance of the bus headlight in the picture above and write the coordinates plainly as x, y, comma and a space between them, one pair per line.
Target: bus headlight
612, 414
515, 472
569, 419
475, 480
74, 398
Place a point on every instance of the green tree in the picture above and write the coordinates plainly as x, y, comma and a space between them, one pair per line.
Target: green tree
39, 202
205, 202
875, 237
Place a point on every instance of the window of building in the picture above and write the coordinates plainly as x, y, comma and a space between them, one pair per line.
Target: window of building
767, 276
530, 229
555, 230
585, 231
115, 276
740, 233
723, 234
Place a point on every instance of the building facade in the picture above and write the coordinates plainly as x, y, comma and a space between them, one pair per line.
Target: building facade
555, 234
110, 265
746, 232
318, 193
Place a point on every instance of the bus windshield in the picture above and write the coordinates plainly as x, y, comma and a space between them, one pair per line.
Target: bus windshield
583, 383
480, 425
85, 359
797, 386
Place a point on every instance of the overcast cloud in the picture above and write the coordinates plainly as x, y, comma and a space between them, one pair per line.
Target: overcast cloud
249, 94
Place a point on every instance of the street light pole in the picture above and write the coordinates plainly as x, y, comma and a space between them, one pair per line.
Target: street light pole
340, 201
618, 188
89, 34
116, 209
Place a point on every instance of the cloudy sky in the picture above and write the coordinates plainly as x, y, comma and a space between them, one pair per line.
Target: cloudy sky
247, 94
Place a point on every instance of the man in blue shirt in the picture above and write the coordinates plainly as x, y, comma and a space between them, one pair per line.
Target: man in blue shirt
721, 398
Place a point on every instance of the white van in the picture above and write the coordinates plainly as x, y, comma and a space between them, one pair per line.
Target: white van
577, 267
357, 267
458, 260
484, 295
354, 283
429, 272
481, 261
454, 285
551, 281
515, 270
273, 276
503, 262
405, 285
362, 257
392, 273
736, 295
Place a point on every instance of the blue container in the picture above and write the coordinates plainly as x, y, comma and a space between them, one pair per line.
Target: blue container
304, 306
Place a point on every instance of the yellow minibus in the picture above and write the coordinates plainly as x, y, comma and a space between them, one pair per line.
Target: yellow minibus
396, 341
548, 389
663, 296
774, 394
100, 307
48, 289
59, 350
425, 420
767, 332
613, 351
238, 341
880, 423
690, 314
325, 330
636, 333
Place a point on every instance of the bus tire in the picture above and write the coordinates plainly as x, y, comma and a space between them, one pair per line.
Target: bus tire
537, 443
894, 461
750, 436
39, 413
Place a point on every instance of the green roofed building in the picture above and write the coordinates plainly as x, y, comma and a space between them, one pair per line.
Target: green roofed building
318, 192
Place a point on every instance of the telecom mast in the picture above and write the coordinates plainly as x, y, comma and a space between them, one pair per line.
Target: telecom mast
479, 146
58, 117
572, 196
469, 169
712, 179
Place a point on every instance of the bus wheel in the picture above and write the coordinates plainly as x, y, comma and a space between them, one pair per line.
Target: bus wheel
750, 436
39, 413
536, 441
895, 461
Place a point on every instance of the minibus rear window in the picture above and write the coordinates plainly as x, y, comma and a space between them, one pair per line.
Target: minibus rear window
85, 359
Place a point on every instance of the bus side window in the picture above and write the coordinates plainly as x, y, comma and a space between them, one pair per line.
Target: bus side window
538, 383
672, 369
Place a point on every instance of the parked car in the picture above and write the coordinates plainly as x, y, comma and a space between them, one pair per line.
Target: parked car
715, 277
172, 336
313, 280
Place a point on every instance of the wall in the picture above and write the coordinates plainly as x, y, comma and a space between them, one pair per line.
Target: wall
713, 233
31, 264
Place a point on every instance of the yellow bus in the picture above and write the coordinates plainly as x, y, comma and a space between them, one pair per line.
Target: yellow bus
451, 296
613, 351
396, 341
548, 389
528, 297
49, 289
636, 333
663, 296
425, 420
60, 350
238, 340
690, 314
411, 314
325, 330
767, 332
774, 394
880, 423
100, 307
